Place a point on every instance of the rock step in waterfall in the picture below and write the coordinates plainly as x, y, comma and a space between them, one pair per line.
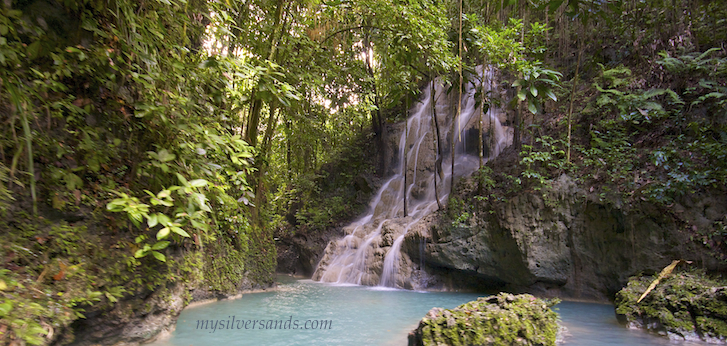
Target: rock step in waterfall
370, 253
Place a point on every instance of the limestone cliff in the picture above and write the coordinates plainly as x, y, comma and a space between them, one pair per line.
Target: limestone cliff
560, 240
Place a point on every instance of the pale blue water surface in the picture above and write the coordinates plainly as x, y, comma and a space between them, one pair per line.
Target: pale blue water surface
360, 315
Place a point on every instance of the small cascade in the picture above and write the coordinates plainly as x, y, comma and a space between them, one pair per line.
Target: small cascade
370, 253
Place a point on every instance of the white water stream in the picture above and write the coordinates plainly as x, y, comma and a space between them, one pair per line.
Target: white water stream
370, 253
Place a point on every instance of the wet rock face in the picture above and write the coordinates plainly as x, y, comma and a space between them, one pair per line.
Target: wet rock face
557, 241
504, 319
684, 306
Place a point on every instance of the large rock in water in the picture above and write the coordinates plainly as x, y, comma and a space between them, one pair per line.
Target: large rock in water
504, 319
684, 306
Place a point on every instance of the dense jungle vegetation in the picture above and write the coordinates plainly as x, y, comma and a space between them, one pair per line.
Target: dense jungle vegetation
147, 144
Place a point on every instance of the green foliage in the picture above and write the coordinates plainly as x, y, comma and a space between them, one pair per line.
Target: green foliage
334, 193
116, 107
484, 178
545, 162
536, 81
5, 196
460, 212
678, 166
635, 107
510, 49
70, 269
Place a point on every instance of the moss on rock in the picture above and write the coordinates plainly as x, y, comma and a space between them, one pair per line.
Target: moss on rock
504, 319
686, 305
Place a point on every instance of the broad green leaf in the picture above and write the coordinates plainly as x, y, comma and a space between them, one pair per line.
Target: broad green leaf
532, 107
521, 95
198, 183
198, 225
160, 245
200, 198
180, 231
116, 205
152, 220
182, 180
159, 256
163, 233
163, 219
140, 253
165, 156
551, 94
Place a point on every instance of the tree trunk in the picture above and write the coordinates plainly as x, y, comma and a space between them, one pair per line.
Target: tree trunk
377, 120
270, 129
288, 153
459, 101
572, 96
253, 121
480, 143
406, 162
438, 142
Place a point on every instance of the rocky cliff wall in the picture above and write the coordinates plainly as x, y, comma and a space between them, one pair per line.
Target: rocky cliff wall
560, 240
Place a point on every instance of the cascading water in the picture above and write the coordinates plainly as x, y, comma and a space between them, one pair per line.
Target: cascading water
370, 253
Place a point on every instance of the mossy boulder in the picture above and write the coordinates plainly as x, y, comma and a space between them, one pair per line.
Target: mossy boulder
504, 319
685, 305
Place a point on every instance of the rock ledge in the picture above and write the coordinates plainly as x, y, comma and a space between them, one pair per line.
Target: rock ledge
683, 306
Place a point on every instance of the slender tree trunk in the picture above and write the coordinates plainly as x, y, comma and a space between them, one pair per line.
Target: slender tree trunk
236, 30
516, 125
459, 102
518, 112
480, 142
253, 122
438, 143
288, 154
270, 128
254, 119
572, 96
377, 119
406, 161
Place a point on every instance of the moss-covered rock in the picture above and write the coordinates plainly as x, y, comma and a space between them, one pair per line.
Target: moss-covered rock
686, 305
504, 319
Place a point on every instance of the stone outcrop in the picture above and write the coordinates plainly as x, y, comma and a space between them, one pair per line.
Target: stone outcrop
559, 241
504, 319
149, 316
684, 306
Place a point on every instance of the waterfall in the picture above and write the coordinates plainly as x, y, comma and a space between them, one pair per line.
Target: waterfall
370, 253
